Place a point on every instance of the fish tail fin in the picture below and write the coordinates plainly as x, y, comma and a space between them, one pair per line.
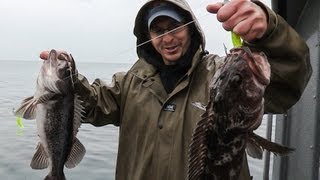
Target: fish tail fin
273, 147
60, 177
76, 154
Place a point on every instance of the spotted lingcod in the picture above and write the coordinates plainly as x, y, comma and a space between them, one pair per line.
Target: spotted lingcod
58, 111
234, 110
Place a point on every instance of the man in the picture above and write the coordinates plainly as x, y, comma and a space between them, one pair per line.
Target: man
152, 101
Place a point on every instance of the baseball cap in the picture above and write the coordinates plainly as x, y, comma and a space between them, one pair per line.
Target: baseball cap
163, 10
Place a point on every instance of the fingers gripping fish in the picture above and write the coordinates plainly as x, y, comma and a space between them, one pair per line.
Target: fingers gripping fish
58, 112
235, 109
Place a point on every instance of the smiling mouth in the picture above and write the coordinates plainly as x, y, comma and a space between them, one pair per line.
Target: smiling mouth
171, 49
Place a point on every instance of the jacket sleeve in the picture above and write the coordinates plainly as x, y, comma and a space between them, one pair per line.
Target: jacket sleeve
101, 101
289, 58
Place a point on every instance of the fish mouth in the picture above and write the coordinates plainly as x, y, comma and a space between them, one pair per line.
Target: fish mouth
62, 62
49, 64
258, 64
260, 68
57, 72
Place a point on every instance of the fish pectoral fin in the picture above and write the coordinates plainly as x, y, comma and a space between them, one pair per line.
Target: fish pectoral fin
254, 150
27, 109
273, 147
76, 154
46, 97
39, 160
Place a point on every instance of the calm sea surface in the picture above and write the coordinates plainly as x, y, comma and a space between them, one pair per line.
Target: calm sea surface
17, 81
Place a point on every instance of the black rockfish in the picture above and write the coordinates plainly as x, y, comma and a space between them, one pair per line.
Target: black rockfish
235, 109
57, 110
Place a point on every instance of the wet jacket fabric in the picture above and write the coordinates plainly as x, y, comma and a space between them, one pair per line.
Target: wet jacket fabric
156, 127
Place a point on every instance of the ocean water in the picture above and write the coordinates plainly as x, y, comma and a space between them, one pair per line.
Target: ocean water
17, 81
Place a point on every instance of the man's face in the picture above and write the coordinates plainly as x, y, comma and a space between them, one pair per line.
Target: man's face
170, 44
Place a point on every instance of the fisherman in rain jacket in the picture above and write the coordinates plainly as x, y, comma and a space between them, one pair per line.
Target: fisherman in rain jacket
152, 102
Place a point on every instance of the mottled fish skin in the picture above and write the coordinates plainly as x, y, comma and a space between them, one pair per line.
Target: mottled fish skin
57, 110
235, 109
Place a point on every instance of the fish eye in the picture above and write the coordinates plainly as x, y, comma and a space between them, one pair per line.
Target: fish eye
62, 64
236, 80
238, 74
222, 76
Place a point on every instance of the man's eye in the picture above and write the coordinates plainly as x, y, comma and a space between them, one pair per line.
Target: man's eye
174, 26
160, 31
157, 30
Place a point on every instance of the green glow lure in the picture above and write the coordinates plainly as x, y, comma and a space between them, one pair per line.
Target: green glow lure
236, 40
20, 125
19, 122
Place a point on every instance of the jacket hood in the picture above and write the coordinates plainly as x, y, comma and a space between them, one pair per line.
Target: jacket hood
141, 26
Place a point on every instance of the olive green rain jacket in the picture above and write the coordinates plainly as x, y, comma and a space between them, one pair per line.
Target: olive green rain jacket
156, 127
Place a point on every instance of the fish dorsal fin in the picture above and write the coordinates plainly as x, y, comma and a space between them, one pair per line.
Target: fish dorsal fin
199, 105
78, 116
39, 160
27, 109
78, 150
76, 154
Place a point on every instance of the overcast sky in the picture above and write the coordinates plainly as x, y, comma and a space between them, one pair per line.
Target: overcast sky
91, 30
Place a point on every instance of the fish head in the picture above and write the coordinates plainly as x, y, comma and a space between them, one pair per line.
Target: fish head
256, 77
242, 80
56, 74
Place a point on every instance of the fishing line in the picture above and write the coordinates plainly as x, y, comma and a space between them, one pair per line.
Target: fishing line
75, 75
71, 75
161, 35
200, 7
168, 32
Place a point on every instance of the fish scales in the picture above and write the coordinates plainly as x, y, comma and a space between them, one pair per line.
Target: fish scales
58, 112
234, 110
58, 133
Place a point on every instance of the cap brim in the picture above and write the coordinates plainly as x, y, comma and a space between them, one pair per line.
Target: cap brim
168, 12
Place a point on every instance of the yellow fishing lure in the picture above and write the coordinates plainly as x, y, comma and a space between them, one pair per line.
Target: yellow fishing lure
20, 126
236, 40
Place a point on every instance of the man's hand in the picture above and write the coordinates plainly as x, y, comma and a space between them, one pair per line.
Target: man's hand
243, 17
44, 55
61, 55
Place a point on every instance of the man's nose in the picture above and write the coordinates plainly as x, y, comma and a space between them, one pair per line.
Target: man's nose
167, 36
